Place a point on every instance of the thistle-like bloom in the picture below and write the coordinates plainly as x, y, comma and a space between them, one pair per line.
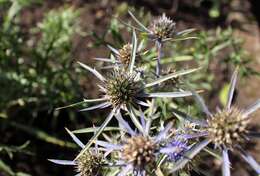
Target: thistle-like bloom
138, 151
162, 28
124, 54
88, 164
227, 128
121, 57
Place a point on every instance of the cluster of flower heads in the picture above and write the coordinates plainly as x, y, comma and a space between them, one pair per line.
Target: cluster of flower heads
143, 146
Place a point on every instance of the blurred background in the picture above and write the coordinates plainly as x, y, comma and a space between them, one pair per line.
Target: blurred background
41, 40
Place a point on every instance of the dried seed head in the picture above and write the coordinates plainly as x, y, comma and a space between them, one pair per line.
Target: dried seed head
140, 151
122, 88
227, 128
89, 163
163, 27
125, 54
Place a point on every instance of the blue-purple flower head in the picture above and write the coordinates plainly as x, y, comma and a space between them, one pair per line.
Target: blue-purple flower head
175, 149
138, 151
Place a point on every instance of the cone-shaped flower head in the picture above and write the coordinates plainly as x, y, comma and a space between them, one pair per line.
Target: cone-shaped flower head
140, 151
124, 54
122, 88
162, 28
89, 163
227, 128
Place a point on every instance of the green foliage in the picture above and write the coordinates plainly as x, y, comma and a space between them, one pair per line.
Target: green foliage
5, 169
36, 71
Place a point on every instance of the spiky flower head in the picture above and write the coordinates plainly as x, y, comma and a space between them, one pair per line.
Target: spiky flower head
125, 54
162, 27
140, 152
227, 128
89, 163
122, 88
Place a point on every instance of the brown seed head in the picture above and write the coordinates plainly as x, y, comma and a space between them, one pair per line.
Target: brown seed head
89, 163
227, 128
140, 151
125, 54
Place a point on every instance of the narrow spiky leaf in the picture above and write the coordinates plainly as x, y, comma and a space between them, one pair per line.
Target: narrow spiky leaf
186, 31
133, 53
138, 22
99, 106
250, 160
201, 103
95, 72
71, 105
170, 76
168, 94
75, 139
225, 163
99, 131
93, 129
232, 88
113, 49
134, 119
62, 162
252, 108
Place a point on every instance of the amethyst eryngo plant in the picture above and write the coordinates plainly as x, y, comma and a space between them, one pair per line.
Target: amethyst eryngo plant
139, 152
227, 129
125, 90
143, 152
151, 147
